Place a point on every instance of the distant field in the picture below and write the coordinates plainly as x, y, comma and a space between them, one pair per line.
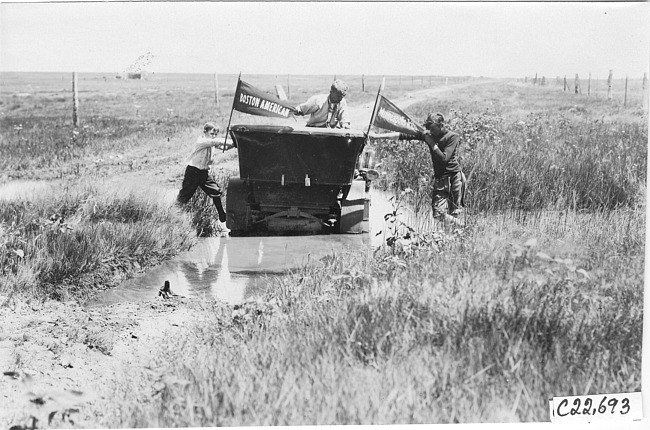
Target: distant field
173, 100
160, 94
25, 84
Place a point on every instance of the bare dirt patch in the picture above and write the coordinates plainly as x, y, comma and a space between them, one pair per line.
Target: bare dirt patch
59, 357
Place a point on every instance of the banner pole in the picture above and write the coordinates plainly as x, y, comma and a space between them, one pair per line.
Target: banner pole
374, 108
231, 111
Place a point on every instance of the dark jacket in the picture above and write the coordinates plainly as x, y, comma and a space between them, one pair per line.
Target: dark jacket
445, 156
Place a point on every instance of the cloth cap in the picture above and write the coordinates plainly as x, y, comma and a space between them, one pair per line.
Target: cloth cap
340, 87
209, 126
436, 118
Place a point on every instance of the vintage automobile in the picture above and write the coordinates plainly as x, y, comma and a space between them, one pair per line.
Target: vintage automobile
299, 180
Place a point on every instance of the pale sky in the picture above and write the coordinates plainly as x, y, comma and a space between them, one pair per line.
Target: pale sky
382, 38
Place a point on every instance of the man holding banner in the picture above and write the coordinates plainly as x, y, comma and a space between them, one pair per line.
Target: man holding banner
327, 110
449, 180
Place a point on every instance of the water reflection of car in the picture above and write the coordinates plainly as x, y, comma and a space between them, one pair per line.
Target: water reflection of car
299, 180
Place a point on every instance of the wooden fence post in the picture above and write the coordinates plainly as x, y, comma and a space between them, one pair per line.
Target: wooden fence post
645, 91
363, 83
289, 86
589, 86
216, 89
75, 101
609, 85
625, 99
577, 84
565, 86
535, 81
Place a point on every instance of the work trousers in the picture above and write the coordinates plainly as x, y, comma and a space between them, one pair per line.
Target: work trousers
447, 196
195, 178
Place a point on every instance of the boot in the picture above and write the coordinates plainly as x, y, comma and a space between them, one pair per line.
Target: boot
219, 206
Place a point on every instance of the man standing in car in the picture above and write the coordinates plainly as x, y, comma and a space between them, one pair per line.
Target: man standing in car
327, 110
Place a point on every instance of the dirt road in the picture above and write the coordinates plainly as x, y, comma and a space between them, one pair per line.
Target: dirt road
360, 115
59, 357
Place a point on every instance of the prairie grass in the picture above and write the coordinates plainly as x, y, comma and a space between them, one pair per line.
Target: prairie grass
31, 142
75, 242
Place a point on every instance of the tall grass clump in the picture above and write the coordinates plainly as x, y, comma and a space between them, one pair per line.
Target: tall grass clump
551, 162
71, 244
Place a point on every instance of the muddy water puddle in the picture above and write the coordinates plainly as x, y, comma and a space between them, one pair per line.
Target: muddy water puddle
231, 269
234, 269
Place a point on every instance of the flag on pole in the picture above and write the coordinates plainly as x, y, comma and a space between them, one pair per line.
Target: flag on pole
374, 107
251, 100
390, 117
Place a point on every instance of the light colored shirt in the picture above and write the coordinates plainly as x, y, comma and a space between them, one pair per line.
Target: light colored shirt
201, 156
322, 110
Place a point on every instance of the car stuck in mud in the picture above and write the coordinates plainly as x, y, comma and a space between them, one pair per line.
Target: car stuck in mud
299, 180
